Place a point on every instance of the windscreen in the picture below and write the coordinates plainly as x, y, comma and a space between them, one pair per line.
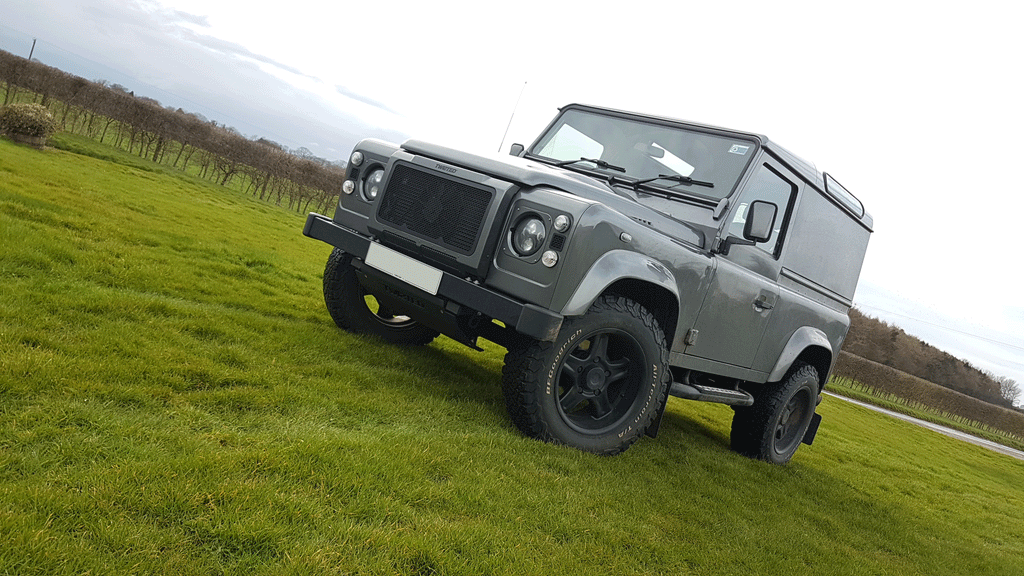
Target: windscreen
647, 150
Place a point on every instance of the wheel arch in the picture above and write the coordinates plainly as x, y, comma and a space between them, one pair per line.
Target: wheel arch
656, 299
808, 345
635, 276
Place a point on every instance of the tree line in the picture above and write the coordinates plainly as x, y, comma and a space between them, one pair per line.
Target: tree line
880, 342
186, 141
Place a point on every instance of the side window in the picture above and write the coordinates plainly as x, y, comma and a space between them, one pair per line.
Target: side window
769, 186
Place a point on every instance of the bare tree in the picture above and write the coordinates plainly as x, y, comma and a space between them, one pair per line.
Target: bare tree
167, 135
1009, 389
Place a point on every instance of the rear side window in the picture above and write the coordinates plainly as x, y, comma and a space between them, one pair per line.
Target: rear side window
839, 191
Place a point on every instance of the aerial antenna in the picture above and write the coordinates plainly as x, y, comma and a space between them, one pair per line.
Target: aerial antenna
502, 144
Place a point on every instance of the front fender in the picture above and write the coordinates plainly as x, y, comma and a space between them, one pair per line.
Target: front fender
611, 267
806, 338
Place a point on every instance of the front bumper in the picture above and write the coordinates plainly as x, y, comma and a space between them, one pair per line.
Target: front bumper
455, 293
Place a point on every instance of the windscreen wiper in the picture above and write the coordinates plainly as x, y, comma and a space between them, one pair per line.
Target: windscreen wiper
676, 178
597, 161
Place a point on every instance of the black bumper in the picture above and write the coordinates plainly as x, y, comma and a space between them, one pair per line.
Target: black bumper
527, 319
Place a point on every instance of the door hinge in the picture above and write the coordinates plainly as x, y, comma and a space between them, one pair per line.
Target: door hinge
691, 337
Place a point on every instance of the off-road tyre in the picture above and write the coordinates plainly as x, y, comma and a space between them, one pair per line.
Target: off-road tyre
774, 426
349, 308
598, 386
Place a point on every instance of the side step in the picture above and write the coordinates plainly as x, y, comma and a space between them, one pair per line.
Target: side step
709, 394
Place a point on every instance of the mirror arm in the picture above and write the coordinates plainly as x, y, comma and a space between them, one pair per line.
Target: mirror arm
722, 245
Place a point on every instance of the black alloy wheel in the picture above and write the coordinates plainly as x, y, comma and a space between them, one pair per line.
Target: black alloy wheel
599, 380
598, 386
774, 426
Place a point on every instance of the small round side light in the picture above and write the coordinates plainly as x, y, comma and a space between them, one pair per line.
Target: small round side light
348, 186
562, 223
549, 258
357, 158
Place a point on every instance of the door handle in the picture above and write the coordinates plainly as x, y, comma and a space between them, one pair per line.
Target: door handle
762, 303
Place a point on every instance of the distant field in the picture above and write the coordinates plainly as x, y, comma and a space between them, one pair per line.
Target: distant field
174, 399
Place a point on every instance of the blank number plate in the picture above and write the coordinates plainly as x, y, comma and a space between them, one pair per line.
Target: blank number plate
426, 278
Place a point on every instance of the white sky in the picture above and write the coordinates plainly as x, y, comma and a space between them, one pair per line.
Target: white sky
913, 106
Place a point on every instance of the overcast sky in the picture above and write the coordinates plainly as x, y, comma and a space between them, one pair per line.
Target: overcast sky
913, 106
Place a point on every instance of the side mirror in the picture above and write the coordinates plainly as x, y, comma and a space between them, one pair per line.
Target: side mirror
760, 221
517, 150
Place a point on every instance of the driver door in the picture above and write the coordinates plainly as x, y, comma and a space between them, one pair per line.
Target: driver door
744, 289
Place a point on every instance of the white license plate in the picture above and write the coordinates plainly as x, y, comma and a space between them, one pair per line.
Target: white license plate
426, 278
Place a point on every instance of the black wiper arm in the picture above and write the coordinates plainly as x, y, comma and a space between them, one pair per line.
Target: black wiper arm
597, 161
676, 178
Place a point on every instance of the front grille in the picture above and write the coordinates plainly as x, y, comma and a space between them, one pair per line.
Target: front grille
445, 212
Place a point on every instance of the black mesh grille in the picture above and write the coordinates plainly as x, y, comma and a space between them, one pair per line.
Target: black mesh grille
446, 212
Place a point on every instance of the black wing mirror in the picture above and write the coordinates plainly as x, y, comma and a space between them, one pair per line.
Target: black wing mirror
758, 226
760, 221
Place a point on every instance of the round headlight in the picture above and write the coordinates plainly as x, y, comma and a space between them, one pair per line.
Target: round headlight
372, 185
357, 158
528, 236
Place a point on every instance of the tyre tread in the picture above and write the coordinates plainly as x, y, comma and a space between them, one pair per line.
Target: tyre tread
523, 377
751, 430
343, 298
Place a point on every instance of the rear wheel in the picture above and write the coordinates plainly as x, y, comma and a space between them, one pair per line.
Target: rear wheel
353, 309
774, 426
598, 386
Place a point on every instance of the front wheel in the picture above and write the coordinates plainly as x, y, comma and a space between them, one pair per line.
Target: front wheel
356, 311
598, 386
774, 426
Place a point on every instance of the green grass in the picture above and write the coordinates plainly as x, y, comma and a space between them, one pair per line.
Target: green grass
174, 399
922, 412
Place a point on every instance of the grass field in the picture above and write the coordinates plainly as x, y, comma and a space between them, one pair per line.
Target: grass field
174, 399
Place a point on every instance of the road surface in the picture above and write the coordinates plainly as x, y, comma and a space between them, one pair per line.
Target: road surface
995, 446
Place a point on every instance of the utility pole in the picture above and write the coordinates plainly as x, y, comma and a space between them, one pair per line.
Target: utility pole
32, 50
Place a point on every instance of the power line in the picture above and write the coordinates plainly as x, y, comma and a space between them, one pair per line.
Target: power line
940, 326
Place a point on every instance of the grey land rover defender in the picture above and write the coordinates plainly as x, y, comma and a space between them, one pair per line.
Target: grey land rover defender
620, 259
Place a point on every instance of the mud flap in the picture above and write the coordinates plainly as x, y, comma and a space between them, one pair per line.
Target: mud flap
652, 430
812, 429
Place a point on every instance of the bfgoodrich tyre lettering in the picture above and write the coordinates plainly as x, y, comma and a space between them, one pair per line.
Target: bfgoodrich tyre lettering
598, 386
